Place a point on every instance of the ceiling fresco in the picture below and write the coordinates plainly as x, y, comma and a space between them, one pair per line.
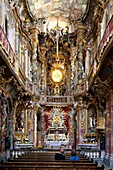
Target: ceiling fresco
57, 10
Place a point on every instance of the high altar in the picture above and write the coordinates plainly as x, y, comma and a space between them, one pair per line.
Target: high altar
57, 128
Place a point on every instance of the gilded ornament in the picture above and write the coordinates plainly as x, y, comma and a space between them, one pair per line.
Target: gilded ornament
57, 75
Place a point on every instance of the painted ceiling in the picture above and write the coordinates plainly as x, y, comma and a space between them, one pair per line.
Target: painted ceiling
53, 11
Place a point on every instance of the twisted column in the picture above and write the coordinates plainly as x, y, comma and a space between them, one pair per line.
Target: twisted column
34, 31
80, 41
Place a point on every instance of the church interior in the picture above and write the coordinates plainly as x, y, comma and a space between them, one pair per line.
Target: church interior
56, 76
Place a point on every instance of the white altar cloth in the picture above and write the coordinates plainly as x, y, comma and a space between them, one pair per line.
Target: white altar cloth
56, 143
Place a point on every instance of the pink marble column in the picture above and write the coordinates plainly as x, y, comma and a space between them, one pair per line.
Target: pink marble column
111, 125
109, 130
107, 126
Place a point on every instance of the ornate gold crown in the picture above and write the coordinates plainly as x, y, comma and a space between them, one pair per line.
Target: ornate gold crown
58, 64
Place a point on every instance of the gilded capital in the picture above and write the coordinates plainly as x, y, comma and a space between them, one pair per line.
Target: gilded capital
81, 29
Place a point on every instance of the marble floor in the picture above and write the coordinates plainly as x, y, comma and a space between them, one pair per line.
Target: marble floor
101, 162
108, 168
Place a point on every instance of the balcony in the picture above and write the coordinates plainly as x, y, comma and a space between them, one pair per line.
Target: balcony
9, 58
108, 34
7, 49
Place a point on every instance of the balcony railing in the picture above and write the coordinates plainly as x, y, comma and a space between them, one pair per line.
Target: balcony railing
106, 38
7, 48
10, 58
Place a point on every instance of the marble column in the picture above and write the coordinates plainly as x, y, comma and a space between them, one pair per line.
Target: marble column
80, 41
109, 130
73, 70
35, 129
43, 79
81, 119
43, 71
72, 77
23, 55
34, 32
17, 45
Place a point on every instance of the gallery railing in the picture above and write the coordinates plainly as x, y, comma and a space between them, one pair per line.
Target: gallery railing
105, 39
7, 48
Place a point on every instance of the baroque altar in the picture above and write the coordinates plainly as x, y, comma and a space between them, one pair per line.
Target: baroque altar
56, 133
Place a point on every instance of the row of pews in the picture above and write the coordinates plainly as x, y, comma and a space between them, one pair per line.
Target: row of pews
46, 161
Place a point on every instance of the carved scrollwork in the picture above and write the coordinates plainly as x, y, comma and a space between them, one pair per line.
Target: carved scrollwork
102, 3
99, 90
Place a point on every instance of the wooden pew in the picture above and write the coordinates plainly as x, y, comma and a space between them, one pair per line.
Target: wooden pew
36, 161
45, 161
43, 156
49, 163
41, 159
2, 167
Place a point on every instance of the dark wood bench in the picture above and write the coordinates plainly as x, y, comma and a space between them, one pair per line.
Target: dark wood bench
50, 163
45, 161
43, 156
4, 167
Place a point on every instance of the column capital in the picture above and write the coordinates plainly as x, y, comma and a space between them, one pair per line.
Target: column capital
80, 32
34, 29
81, 28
